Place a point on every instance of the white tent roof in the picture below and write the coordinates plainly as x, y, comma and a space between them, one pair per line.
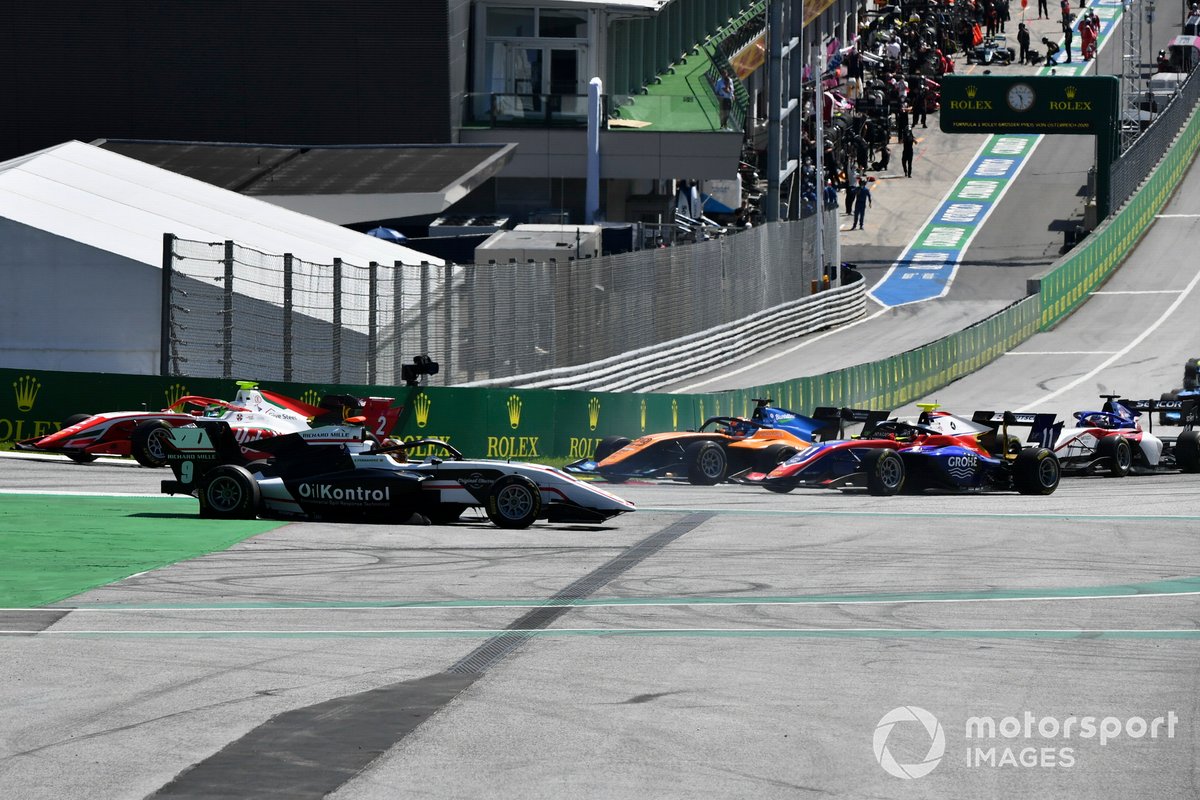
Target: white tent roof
124, 206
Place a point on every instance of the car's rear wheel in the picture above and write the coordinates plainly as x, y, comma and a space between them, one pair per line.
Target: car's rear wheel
609, 445
229, 492
514, 501
1187, 451
1118, 454
1036, 471
885, 472
706, 463
148, 443
1163, 418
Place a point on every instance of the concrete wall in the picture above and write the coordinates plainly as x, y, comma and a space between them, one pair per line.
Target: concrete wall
68, 306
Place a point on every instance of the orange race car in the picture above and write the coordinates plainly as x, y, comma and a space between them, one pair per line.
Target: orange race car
721, 449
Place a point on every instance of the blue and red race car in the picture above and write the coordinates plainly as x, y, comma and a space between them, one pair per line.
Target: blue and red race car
939, 451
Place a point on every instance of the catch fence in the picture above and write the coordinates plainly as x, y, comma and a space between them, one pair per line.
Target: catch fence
231, 311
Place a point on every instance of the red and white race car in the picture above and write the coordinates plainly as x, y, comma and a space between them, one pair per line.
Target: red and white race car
1112, 442
253, 414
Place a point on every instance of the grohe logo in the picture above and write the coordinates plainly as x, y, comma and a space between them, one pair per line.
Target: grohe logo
937, 742
421, 406
26, 389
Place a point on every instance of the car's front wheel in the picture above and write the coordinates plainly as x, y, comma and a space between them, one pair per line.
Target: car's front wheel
706, 463
229, 492
514, 501
885, 472
148, 443
1117, 453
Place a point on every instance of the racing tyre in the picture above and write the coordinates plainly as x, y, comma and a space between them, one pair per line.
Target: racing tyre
771, 457
229, 492
78, 456
1118, 453
706, 463
609, 445
1191, 374
1036, 471
1168, 417
514, 501
1187, 451
885, 472
148, 443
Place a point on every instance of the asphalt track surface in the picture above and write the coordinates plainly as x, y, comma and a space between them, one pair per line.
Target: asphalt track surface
719, 642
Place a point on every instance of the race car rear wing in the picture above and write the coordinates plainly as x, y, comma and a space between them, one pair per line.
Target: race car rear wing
1044, 430
1187, 408
836, 419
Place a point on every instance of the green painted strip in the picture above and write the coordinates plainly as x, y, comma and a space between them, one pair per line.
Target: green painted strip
58, 547
1170, 586
734, 633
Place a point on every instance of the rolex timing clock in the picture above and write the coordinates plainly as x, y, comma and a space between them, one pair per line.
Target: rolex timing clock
1020, 97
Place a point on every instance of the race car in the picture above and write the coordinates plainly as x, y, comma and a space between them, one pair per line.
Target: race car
940, 451
722, 447
345, 473
1113, 440
254, 414
1108, 442
1189, 391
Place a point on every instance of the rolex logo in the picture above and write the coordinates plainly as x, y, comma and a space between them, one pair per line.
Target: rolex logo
421, 405
174, 393
702, 414
674, 415
593, 413
1071, 92
312, 397
971, 91
26, 388
643, 415
514, 411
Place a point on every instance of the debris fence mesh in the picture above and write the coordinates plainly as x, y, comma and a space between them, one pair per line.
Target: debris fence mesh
236, 312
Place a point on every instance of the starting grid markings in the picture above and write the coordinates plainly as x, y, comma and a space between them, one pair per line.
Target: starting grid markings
926, 269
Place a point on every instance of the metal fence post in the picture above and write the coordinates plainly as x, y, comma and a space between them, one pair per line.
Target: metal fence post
164, 335
448, 337
426, 310
287, 316
372, 320
227, 314
397, 320
337, 320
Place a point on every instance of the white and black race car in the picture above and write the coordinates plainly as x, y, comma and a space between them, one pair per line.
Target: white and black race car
344, 474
